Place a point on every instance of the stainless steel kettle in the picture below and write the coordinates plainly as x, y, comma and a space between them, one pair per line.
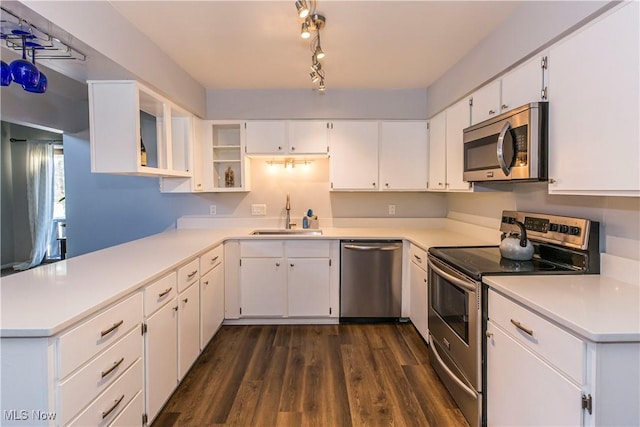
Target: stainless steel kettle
516, 247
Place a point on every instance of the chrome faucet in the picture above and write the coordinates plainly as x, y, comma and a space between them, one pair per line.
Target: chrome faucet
287, 221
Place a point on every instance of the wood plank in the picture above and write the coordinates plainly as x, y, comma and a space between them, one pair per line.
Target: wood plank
312, 375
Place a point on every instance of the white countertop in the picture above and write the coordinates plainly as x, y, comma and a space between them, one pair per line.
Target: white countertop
598, 308
44, 301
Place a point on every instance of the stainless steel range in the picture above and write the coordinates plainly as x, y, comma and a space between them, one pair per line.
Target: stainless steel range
457, 298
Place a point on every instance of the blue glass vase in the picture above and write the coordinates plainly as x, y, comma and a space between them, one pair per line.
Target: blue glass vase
5, 80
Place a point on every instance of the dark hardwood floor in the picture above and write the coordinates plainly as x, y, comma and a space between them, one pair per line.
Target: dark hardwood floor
332, 375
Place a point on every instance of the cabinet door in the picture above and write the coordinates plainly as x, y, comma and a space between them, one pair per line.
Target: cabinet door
418, 307
438, 152
403, 155
308, 287
265, 137
354, 155
457, 121
262, 287
523, 85
593, 122
524, 390
161, 357
211, 303
486, 102
308, 137
188, 328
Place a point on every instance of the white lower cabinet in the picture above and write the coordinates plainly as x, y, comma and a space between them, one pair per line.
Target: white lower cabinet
188, 328
211, 303
524, 389
281, 279
418, 309
540, 374
130, 415
161, 356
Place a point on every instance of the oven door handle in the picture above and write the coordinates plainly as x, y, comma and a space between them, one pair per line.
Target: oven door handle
461, 283
471, 392
500, 149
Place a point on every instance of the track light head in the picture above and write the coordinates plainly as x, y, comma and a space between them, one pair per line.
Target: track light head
303, 10
305, 32
318, 54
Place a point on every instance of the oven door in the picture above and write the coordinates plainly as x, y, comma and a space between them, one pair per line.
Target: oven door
500, 149
455, 325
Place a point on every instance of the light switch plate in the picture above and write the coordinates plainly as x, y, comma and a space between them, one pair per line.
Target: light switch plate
258, 209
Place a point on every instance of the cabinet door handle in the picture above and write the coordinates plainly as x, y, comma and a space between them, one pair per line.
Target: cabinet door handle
491, 112
279, 147
504, 106
374, 184
111, 329
175, 308
386, 185
186, 300
292, 265
165, 292
552, 181
112, 368
206, 283
106, 413
193, 273
277, 264
522, 328
293, 148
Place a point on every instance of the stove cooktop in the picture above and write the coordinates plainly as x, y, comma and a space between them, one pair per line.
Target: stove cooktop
476, 261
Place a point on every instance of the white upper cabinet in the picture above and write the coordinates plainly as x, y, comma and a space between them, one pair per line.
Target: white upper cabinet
593, 124
265, 137
124, 116
286, 137
485, 102
403, 155
524, 84
308, 137
354, 155
446, 162
438, 152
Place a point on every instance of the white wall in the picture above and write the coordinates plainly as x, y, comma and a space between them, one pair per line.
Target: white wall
308, 104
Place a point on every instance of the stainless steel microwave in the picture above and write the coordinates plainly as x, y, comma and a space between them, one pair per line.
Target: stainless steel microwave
511, 146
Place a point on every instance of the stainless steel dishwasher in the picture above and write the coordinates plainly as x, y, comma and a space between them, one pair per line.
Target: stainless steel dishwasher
370, 280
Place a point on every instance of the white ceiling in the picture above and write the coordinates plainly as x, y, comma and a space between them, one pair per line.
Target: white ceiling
368, 44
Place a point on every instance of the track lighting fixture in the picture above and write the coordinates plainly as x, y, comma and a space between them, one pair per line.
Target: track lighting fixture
313, 22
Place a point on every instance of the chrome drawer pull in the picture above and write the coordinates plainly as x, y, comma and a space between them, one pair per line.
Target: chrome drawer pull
106, 413
111, 329
111, 369
193, 273
165, 292
522, 328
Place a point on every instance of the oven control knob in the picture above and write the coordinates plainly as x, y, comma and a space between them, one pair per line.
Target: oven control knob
574, 231
564, 229
553, 227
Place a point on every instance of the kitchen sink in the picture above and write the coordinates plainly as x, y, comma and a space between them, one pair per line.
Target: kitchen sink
286, 232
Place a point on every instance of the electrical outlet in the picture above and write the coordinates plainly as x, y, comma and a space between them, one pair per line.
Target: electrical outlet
258, 209
392, 209
212, 209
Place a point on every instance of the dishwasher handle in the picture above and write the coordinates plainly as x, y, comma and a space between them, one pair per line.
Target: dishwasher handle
391, 247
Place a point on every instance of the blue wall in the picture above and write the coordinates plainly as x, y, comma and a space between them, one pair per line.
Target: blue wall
105, 210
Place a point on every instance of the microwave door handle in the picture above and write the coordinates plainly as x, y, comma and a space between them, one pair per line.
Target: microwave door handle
500, 149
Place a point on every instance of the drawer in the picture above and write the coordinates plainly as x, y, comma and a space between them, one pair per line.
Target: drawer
82, 387
96, 334
159, 293
109, 404
132, 414
211, 259
263, 249
418, 256
561, 349
307, 249
188, 273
